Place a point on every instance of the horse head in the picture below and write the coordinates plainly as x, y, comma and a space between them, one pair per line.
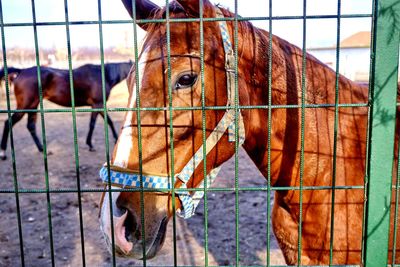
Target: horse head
167, 87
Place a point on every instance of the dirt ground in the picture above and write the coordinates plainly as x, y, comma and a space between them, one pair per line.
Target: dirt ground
65, 209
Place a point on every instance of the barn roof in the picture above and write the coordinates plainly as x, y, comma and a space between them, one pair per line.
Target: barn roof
359, 39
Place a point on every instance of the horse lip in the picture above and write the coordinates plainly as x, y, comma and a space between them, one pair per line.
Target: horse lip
159, 240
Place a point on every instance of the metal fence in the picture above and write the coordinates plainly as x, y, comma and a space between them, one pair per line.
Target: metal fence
378, 185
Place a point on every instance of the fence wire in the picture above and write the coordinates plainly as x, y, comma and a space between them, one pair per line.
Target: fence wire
380, 139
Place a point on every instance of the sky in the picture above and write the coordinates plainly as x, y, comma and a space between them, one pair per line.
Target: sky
321, 32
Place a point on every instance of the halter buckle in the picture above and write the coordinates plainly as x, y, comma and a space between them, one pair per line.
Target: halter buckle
230, 62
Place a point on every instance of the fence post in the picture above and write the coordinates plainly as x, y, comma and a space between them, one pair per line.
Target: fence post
383, 116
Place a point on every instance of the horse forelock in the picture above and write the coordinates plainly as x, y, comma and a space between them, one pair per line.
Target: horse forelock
185, 33
188, 34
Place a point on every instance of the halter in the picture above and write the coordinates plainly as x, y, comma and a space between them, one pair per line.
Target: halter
123, 177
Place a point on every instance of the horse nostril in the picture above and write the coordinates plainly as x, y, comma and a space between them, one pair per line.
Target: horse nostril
118, 212
117, 209
131, 222
131, 227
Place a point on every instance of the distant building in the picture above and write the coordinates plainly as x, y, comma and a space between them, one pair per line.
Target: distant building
354, 56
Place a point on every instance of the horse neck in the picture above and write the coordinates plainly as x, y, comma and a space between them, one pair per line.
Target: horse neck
286, 89
114, 76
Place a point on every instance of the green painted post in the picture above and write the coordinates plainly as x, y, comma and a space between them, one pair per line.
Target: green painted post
383, 113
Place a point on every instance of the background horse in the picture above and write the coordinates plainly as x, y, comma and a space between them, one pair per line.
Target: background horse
56, 88
285, 145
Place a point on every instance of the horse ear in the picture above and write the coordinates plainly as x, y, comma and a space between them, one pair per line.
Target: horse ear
145, 9
192, 7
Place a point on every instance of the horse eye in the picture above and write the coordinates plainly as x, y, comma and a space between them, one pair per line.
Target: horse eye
186, 80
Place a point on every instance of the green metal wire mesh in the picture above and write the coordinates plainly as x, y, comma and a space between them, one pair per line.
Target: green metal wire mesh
384, 58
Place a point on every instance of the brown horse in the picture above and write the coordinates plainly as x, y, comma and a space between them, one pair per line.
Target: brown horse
56, 88
285, 145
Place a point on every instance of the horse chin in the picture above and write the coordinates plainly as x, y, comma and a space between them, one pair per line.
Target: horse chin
158, 241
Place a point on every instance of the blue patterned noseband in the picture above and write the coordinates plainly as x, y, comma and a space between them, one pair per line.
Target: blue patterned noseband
189, 201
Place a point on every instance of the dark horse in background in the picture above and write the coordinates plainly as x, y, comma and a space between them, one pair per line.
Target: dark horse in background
56, 88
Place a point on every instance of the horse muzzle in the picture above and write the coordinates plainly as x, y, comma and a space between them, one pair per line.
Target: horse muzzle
130, 240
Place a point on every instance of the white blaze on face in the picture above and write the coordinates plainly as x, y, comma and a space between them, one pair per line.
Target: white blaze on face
125, 139
121, 159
